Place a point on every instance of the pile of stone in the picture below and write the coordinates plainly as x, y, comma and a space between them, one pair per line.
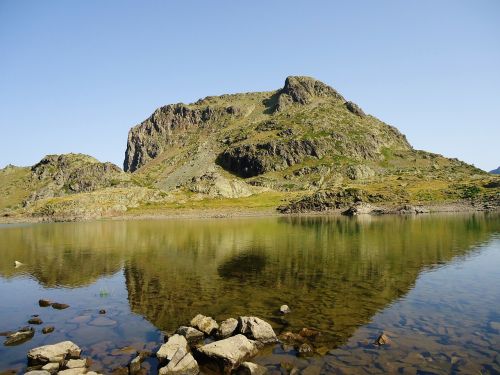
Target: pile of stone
223, 348
62, 358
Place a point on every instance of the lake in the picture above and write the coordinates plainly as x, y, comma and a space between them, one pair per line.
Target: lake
430, 282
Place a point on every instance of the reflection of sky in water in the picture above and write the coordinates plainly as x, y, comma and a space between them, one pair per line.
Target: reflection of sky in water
432, 282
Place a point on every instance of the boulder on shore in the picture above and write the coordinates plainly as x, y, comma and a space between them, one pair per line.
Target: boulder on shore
228, 354
256, 329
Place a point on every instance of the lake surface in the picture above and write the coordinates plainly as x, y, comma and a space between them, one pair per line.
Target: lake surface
432, 283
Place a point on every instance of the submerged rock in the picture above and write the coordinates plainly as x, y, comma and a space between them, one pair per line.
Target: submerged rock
59, 306
35, 320
53, 353
256, 329
44, 303
205, 324
182, 363
305, 350
284, 309
167, 350
47, 329
227, 328
382, 339
309, 332
191, 334
228, 354
135, 365
19, 337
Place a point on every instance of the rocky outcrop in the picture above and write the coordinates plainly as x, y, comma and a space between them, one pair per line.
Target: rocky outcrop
167, 126
325, 200
58, 175
354, 108
303, 90
250, 160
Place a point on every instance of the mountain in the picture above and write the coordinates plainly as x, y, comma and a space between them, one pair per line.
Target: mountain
300, 148
495, 171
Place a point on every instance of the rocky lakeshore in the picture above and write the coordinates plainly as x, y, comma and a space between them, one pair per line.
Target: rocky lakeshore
203, 346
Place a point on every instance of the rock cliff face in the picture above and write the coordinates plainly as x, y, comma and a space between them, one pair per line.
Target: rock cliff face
169, 125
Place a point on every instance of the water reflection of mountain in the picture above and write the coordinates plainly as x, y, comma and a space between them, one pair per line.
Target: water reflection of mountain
335, 273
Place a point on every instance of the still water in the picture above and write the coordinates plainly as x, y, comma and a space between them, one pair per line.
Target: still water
432, 283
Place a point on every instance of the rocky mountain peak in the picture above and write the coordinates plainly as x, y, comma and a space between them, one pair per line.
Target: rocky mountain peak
302, 90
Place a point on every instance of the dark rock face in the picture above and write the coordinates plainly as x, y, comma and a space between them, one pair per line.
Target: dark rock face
250, 160
354, 108
169, 125
324, 201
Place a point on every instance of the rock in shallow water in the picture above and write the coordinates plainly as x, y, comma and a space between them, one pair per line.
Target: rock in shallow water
47, 329
228, 354
44, 302
227, 328
205, 324
53, 353
19, 337
249, 368
191, 334
383, 339
59, 306
35, 320
167, 350
182, 363
256, 329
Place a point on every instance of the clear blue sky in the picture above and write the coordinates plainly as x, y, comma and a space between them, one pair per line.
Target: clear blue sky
75, 76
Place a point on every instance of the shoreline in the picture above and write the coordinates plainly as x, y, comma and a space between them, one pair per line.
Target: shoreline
181, 213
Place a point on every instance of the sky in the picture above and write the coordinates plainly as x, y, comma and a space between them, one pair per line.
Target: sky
76, 76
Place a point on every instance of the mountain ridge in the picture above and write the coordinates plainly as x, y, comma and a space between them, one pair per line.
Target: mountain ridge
274, 149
